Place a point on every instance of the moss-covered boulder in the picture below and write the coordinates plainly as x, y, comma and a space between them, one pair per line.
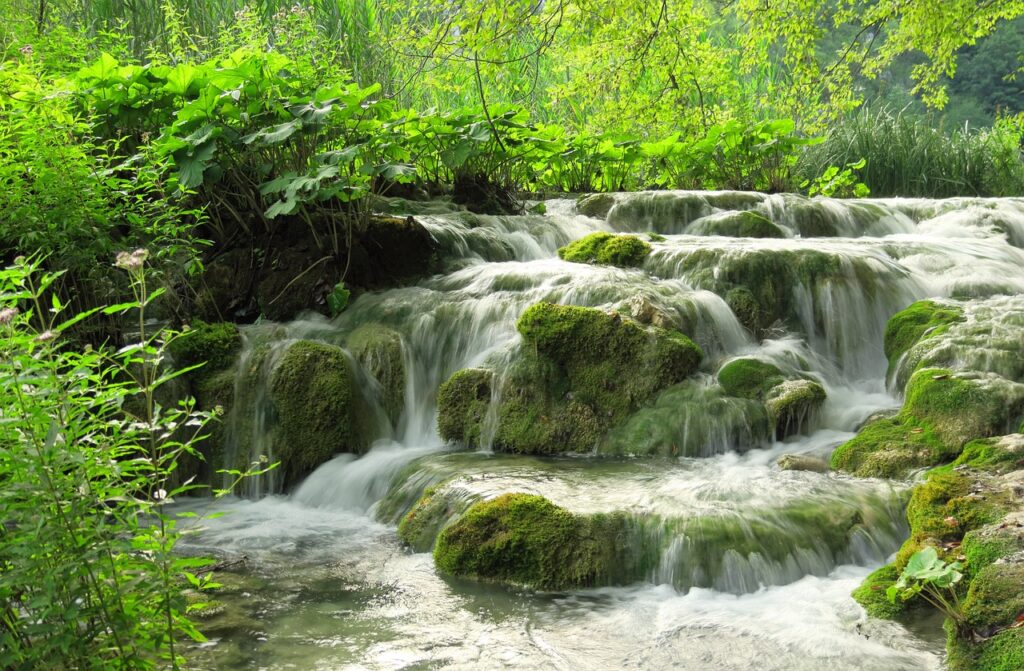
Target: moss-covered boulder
923, 319
996, 596
420, 527
214, 344
527, 540
582, 372
379, 350
319, 407
1002, 652
625, 251
943, 411
792, 403
744, 224
610, 362
999, 454
747, 377
462, 403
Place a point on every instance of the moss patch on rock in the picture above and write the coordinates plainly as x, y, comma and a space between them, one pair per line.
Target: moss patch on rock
378, 349
214, 344
942, 412
749, 378
871, 595
527, 540
582, 372
996, 596
923, 319
1000, 454
419, 528
624, 251
462, 403
792, 403
319, 407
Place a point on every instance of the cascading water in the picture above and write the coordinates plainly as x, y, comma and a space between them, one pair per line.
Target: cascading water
739, 564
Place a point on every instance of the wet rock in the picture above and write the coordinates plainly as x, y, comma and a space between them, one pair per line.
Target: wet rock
792, 404
582, 372
595, 205
462, 403
803, 462
745, 224
525, 539
380, 352
644, 311
319, 407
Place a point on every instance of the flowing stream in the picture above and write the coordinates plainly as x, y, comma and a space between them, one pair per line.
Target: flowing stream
744, 565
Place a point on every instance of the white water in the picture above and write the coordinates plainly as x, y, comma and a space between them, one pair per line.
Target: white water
320, 546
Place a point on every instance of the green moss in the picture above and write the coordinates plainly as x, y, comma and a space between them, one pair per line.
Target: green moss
1000, 454
995, 597
982, 547
891, 448
744, 224
749, 378
958, 409
526, 539
379, 350
923, 319
217, 345
421, 525
611, 364
319, 407
462, 404
871, 595
624, 251
748, 311
607, 249
1002, 652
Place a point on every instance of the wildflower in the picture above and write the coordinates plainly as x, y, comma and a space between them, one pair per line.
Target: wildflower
26, 50
160, 494
133, 260
218, 410
7, 315
46, 336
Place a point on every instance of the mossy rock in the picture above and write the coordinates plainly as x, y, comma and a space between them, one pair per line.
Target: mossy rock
871, 594
1000, 454
420, 526
525, 539
960, 407
690, 419
379, 350
891, 448
792, 403
611, 364
596, 205
319, 407
749, 378
624, 251
462, 403
985, 545
744, 224
582, 372
995, 598
1002, 652
942, 412
923, 319
749, 312
214, 344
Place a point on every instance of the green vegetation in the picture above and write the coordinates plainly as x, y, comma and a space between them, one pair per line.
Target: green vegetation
215, 345
88, 573
462, 405
873, 595
527, 540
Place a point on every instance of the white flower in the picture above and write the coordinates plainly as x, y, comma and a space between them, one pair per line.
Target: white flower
7, 315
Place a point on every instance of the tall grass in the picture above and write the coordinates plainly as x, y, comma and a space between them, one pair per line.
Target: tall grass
907, 156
